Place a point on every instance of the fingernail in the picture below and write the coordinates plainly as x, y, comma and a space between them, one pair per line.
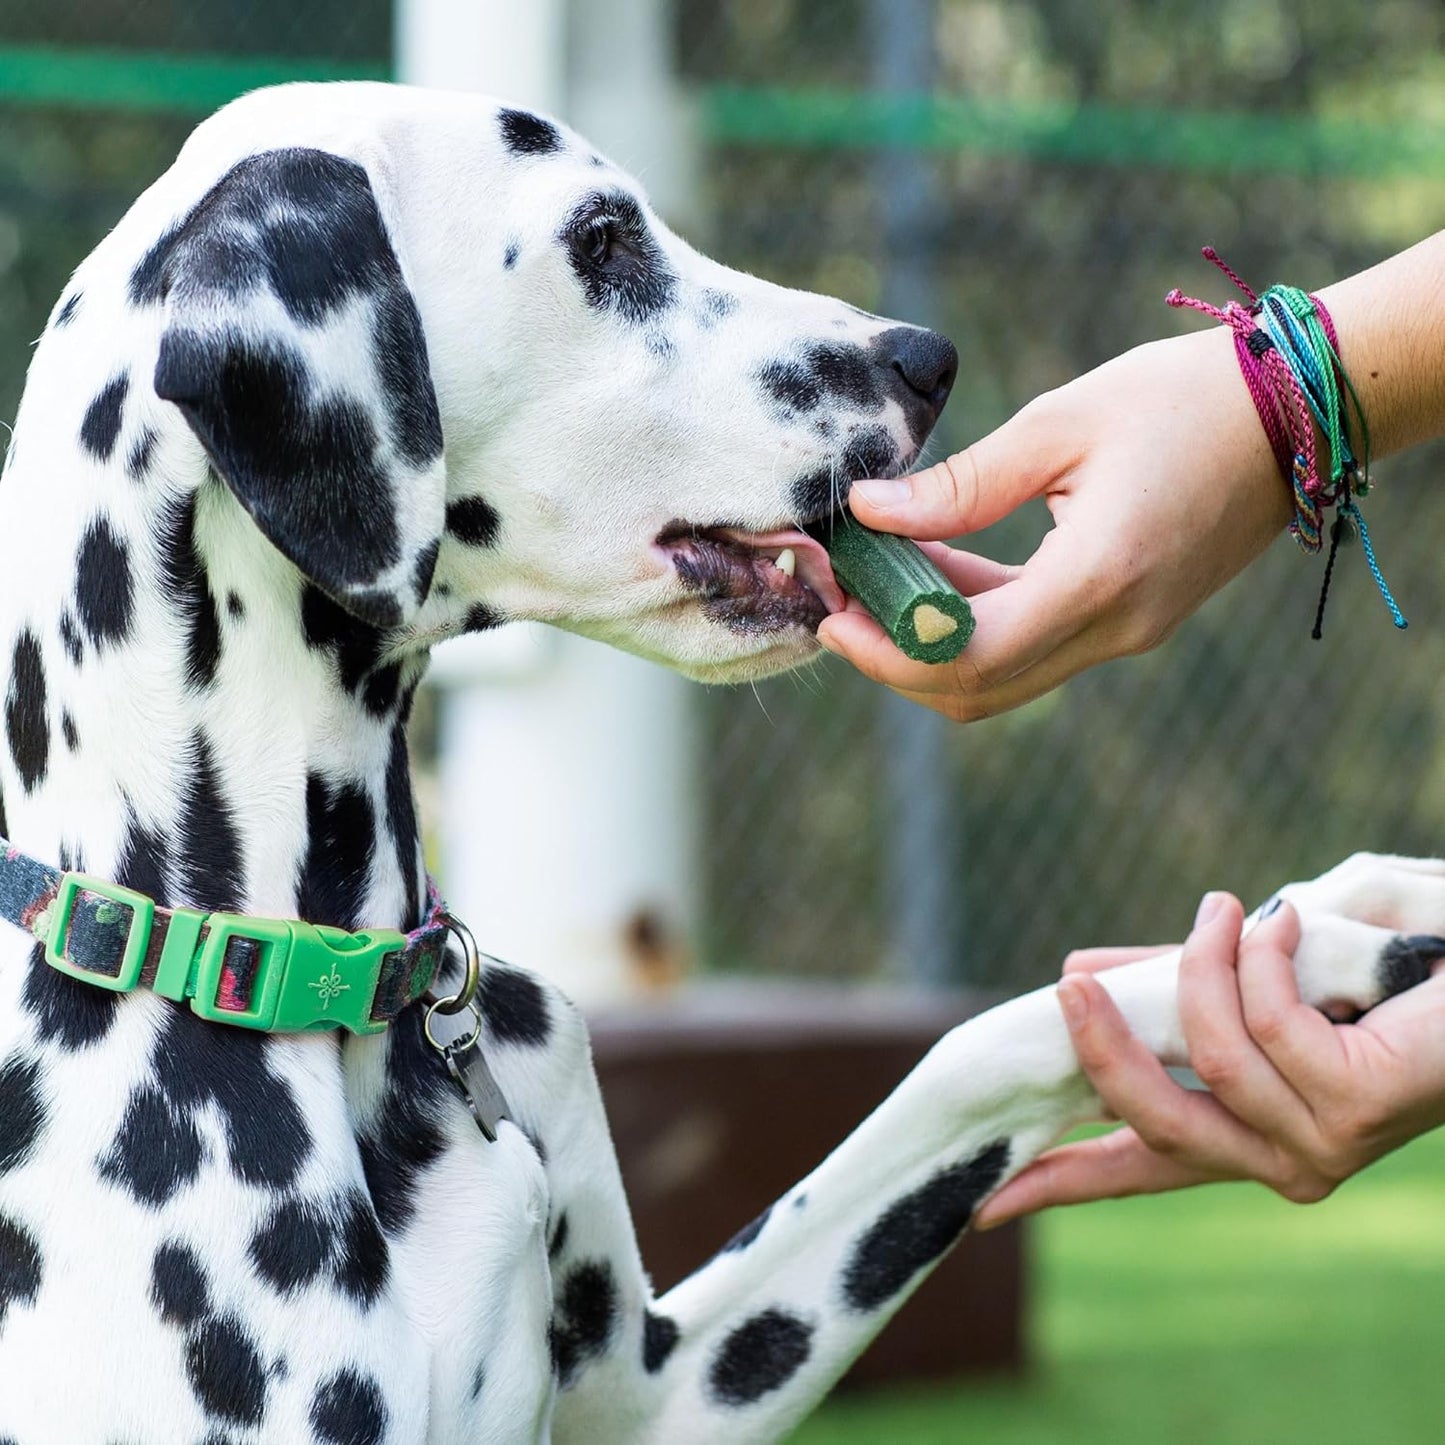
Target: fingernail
1209, 907
1075, 1004
883, 495
827, 643
1273, 906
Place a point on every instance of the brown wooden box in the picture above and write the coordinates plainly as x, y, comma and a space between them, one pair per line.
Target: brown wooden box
721, 1098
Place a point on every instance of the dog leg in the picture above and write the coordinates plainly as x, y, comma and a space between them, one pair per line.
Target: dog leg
743, 1348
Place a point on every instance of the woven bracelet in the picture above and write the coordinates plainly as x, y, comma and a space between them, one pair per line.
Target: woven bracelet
1289, 356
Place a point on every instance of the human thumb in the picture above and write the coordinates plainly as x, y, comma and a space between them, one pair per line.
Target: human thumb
971, 489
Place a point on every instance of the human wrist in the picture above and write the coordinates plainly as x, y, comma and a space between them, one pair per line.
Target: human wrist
1391, 321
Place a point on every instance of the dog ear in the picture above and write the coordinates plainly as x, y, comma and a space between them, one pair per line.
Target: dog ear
293, 346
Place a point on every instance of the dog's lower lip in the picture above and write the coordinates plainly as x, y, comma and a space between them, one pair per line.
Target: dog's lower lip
737, 576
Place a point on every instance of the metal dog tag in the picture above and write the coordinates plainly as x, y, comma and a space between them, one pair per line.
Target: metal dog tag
466, 1064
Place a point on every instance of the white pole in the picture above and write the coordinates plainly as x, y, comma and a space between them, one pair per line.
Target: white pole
511, 48
568, 809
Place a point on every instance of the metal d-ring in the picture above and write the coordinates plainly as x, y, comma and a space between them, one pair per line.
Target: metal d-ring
463, 997
456, 1045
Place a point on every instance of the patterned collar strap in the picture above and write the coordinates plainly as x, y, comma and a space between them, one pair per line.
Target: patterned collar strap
277, 975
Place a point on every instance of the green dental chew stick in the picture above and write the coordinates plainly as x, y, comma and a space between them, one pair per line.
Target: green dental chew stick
904, 592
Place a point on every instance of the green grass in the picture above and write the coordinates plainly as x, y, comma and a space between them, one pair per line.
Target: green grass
1212, 1317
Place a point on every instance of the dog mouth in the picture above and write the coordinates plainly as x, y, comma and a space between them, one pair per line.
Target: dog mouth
754, 582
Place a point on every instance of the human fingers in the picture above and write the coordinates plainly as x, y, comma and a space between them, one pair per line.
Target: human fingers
971, 489
1032, 616
1182, 1124
970, 573
1099, 960
1112, 1166
1301, 1044
1222, 1050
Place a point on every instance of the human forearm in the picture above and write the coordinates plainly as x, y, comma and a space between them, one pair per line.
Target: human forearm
1391, 324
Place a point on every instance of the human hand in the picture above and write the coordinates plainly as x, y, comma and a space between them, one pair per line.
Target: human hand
1162, 487
1297, 1102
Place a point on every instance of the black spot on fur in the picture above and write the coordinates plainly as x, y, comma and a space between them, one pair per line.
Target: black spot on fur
25, 722
583, 1317
67, 730
659, 1339
824, 373
104, 589
918, 1228
871, 452
525, 134
348, 1410
66, 314
747, 1233
817, 495
718, 305
235, 606
425, 569
143, 861
481, 618
66, 1012
509, 256
473, 521
382, 689
401, 816
614, 255
558, 1242
149, 281
189, 589
210, 851
22, 1111
195, 1063
101, 427
357, 646
21, 1266
157, 1150
363, 1260
332, 883
514, 1006
404, 1138
479, 1378
292, 1245
138, 463
1404, 962
178, 1286
225, 1370
761, 1355
70, 636
400, 356
792, 384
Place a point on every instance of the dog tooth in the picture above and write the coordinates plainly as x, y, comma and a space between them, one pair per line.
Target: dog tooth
786, 561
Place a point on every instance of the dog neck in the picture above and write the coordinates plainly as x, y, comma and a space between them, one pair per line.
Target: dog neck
187, 716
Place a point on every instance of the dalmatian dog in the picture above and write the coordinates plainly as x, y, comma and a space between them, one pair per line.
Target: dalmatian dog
368, 368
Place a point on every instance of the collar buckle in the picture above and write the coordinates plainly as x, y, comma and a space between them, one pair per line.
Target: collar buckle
286, 976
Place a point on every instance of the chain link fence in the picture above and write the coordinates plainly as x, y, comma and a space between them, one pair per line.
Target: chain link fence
1070, 158
1239, 755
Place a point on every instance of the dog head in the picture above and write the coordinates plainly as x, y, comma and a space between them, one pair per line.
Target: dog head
459, 373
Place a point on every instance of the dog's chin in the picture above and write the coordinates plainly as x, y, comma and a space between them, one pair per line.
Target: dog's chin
685, 640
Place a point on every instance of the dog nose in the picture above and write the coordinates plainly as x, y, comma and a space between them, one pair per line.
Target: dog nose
925, 360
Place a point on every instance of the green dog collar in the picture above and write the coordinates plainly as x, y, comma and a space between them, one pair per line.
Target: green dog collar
275, 975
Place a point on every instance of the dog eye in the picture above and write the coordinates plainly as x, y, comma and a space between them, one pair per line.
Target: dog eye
598, 241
